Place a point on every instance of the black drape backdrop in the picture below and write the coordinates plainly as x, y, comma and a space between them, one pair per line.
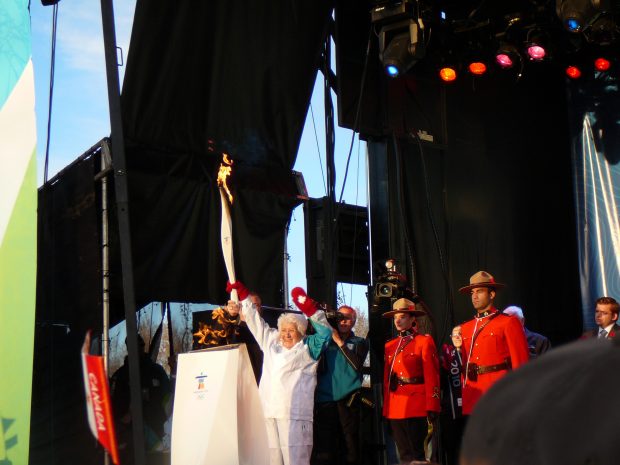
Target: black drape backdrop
237, 74
69, 249
499, 193
175, 221
203, 79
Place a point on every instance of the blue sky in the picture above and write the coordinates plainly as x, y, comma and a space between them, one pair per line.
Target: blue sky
80, 115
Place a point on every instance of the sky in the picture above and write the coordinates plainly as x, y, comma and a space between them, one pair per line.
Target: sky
80, 116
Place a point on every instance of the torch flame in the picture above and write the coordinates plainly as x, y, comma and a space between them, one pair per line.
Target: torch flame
223, 173
223, 333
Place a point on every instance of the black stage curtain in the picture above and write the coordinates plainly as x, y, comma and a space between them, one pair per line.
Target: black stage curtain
69, 280
202, 79
237, 74
497, 183
175, 221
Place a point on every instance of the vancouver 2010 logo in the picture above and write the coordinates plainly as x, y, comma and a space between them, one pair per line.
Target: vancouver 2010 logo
201, 385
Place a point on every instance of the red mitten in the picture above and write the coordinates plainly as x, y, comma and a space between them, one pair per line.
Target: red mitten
242, 291
307, 305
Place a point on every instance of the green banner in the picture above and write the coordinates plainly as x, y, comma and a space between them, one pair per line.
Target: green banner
18, 221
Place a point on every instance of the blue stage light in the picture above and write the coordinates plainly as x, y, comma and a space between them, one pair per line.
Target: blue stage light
392, 70
573, 25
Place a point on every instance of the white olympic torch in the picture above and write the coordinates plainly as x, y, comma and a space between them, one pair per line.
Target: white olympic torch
226, 229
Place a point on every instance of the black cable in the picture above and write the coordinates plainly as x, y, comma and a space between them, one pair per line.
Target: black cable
401, 199
355, 222
415, 136
442, 260
330, 136
355, 129
357, 113
51, 93
318, 148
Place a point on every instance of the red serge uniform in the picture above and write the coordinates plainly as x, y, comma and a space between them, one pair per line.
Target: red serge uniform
499, 347
412, 360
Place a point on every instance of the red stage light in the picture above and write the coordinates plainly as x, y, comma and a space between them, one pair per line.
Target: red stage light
447, 74
477, 68
573, 72
601, 64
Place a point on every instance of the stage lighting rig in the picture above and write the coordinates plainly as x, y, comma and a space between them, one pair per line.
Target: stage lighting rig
401, 34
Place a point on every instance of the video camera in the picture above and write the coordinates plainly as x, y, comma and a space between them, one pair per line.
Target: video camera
391, 286
333, 316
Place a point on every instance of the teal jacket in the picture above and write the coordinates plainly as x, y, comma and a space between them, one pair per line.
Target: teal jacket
340, 369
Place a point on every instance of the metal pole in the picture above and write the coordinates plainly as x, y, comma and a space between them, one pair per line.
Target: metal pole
105, 256
122, 207
105, 264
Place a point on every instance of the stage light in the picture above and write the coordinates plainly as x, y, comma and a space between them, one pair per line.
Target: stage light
504, 61
593, 18
401, 35
396, 57
573, 72
507, 56
573, 25
535, 45
392, 70
447, 74
477, 68
602, 64
575, 14
536, 52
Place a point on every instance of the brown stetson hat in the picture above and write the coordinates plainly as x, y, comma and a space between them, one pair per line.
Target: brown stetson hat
481, 279
404, 306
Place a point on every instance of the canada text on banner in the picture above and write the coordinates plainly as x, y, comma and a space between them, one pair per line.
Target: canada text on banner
98, 402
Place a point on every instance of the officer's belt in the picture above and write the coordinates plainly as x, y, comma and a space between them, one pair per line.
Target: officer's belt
473, 370
414, 380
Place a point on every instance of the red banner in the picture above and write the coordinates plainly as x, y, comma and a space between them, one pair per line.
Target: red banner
98, 402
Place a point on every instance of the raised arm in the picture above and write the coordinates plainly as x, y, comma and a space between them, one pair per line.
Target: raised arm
316, 342
261, 331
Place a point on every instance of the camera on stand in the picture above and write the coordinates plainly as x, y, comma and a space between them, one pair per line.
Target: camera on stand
390, 286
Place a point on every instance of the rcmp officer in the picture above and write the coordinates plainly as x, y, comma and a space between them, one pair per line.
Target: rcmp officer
410, 382
493, 343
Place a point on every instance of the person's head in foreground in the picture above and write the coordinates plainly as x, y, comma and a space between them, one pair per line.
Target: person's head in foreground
556, 410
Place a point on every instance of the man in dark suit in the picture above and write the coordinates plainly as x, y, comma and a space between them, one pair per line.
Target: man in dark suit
606, 317
537, 344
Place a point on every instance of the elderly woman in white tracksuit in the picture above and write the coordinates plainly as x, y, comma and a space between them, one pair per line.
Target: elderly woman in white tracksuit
287, 384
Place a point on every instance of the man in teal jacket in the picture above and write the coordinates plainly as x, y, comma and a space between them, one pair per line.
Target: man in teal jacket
336, 412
